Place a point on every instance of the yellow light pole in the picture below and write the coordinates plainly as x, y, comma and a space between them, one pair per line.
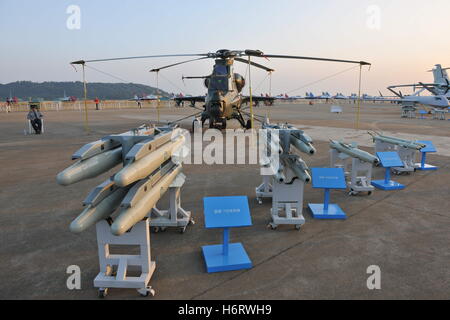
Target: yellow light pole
86, 119
250, 91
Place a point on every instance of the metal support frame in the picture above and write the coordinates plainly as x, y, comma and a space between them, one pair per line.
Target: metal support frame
409, 112
114, 267
287, 200
265, 190
358, 171
439, 114
175, 216
408, 156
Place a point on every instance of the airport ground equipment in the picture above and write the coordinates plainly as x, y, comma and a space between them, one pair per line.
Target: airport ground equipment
388, 160
225, 213
409, 112
361, 165
327, 179
115, 269
175, 216
422, 113
406, 149
285, 173
430, 148
439, 114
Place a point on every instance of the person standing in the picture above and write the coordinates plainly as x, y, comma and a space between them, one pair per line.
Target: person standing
35, 117
97, 102
8, 105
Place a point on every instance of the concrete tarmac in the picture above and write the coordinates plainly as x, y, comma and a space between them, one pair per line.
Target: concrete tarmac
405, 233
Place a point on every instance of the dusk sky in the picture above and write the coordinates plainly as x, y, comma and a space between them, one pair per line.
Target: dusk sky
402, 39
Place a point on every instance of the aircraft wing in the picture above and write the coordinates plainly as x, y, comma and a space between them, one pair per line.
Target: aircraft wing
258, 99
192, 100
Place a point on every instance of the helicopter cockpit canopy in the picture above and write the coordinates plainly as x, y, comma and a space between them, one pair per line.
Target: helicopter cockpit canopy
219, 80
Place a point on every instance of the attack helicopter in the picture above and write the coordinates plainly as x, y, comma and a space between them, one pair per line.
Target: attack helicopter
224, 99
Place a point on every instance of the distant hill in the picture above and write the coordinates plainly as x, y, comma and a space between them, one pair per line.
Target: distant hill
54, 90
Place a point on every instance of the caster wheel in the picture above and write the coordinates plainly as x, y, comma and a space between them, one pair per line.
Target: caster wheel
191, 222
298, 227
272, 226
156, 229
146, 292
163, 229
183, 230
369, 193
102, 293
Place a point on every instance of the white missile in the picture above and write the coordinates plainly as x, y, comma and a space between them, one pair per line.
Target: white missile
90, 168
142, 168
128, 217
91, 215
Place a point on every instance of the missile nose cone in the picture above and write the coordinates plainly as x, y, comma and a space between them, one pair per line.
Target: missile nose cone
63, 179
75, 227
121, 179
118, 229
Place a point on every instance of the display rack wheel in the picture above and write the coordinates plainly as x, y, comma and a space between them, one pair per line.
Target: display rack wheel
272, 226
369, 193
102, 293
182, 230
145, 292
298, 227
191, 222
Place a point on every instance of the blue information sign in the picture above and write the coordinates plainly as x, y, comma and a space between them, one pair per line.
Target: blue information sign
226, 212
390, 159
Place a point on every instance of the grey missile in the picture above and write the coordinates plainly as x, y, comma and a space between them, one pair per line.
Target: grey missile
93, 214
128, 217
90, 168
142, 168
302, 146
300, 168
396, 141
354, 152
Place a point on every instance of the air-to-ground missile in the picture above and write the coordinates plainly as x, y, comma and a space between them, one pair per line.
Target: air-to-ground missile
93, 214
299, 167
354, 152
396, 141
143, 167
148, 195
91, 167
302, 144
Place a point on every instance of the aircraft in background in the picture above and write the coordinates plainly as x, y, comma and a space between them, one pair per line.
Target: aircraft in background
410, 102
441, 80
67, 99
340, 96
149, 97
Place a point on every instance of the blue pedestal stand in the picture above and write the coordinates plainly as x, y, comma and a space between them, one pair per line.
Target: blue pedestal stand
430, 148
327, 179
226, 213
388, 160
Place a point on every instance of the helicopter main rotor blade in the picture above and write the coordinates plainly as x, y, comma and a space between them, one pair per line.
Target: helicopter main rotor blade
142, 57
260, 54
176, 64
254, 64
